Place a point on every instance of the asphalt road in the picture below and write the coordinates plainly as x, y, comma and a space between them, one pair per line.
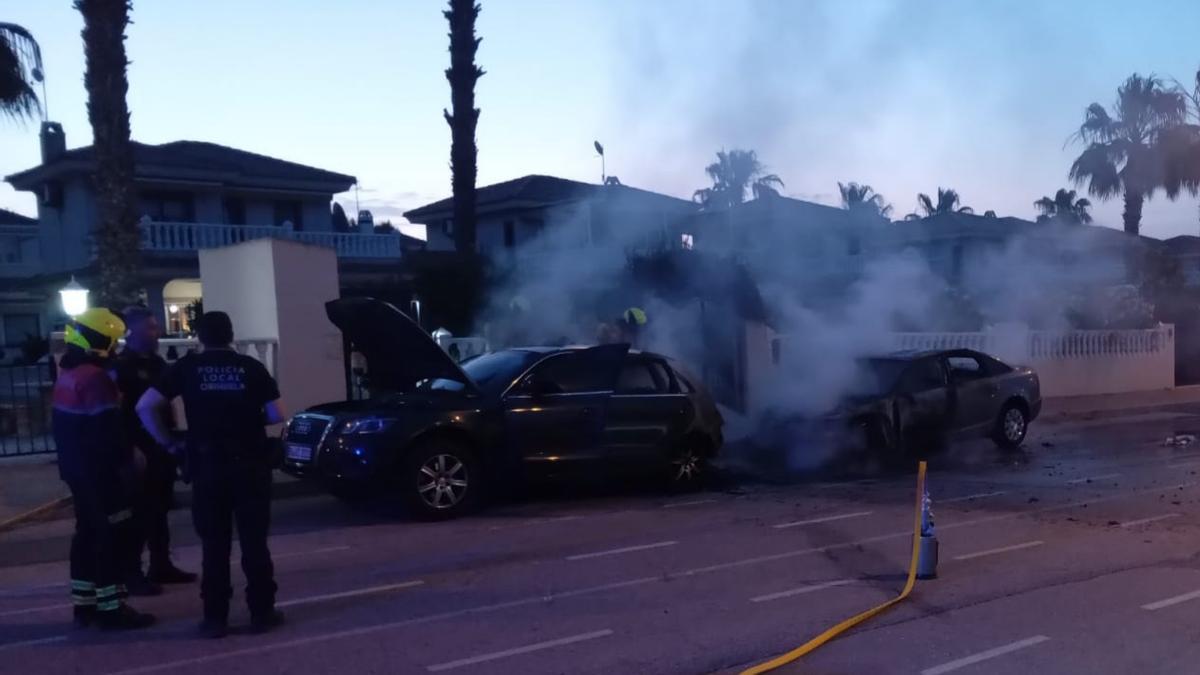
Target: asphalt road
1077, 557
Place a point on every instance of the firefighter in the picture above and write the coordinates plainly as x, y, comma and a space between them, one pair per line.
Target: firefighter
139, 366
631, 324
96, 463
228, 399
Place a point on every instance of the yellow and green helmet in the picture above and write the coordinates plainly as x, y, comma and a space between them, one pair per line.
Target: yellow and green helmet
97, 330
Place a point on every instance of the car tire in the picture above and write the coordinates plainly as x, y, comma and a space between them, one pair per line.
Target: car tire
688, 465
1011, 426
440, 479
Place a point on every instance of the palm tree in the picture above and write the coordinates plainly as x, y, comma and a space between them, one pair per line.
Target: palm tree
1182, 145
1125, 152
736, 174
1064, 206
117, 236
947, 202
20, 67
857, 197
462, 75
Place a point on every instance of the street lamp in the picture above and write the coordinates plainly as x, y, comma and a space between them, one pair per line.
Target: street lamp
74, 298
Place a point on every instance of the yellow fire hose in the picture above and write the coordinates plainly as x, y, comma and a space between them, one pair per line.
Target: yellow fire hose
813, 644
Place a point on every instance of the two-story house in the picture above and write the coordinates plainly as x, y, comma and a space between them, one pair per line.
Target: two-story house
191, 195
534, 213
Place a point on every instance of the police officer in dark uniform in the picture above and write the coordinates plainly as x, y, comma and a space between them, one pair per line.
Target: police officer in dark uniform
228, 398
139, 366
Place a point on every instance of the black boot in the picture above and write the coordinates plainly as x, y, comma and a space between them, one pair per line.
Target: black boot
124, 618
168, 573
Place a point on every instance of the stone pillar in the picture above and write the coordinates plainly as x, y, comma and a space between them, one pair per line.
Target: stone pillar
276, 290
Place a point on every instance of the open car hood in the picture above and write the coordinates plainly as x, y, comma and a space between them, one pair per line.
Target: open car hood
399, 354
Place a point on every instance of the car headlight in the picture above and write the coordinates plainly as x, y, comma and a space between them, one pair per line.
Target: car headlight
366, 425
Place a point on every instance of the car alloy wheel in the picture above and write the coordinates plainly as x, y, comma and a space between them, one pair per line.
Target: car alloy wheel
1014, 425
443, 481
687, 466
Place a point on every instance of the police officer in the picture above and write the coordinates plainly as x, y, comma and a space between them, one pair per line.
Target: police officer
228, 398
137, 367
97, 464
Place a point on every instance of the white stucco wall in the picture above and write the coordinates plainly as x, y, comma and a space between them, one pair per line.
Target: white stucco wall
275, 289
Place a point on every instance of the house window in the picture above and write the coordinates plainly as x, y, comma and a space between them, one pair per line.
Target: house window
956, 264
510, 234
169, 207
688, 241
235, 210
289, 211
853, 246
19, 327
448, 227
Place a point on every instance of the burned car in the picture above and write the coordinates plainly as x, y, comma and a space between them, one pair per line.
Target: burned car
441, 435
909, 403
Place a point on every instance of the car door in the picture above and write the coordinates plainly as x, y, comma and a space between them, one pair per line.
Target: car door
555, 413
924, 401
646, 411
976, 392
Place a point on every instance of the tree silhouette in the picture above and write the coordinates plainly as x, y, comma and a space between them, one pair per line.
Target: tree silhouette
1064, 206
858, 198
735, 175
1124, 152
947, 202
462, 75
118, 239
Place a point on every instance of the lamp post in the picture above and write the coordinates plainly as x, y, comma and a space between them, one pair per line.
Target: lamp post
74, 298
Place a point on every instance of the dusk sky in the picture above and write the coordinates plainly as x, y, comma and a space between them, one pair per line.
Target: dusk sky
907, 96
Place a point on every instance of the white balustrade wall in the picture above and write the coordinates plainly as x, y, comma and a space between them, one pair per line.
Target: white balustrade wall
1072, 363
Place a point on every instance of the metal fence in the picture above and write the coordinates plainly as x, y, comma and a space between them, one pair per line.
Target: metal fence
25, 409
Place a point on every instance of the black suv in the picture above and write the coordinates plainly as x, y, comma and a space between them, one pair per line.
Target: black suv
440, 434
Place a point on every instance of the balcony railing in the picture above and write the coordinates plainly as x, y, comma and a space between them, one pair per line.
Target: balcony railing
187, 237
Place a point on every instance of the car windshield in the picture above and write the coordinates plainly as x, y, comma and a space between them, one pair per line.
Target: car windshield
877, 377
491, 372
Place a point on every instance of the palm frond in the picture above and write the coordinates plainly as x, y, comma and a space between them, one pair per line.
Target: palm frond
20, 67
1095, 168
925, 204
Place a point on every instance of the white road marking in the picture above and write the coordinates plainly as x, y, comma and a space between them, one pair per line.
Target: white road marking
1183, 465
801, 590
981, 495
516, 651
1091, 479
33, 643
309, 640
350, 594
1171, 602
985, 656
618, 551
697, 502
1155, 519
994, 551
296, 554
36, 610
825, 519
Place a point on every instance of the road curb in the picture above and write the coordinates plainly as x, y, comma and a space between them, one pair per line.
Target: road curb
16, 521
